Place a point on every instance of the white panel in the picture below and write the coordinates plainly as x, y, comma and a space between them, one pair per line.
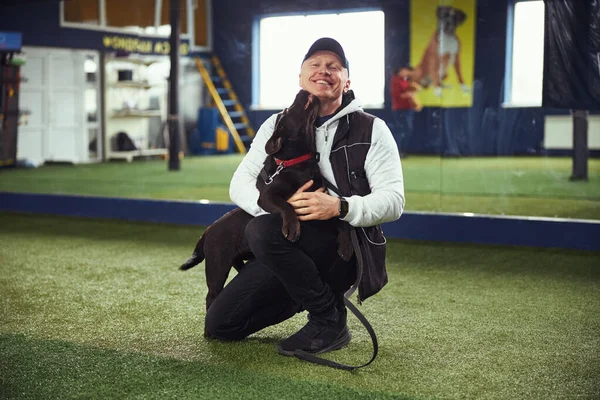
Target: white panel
33, 100
91, 100
62, 146
63, 71
33, 71
67, 129
65, 109
30, 145
32, 97
558, 132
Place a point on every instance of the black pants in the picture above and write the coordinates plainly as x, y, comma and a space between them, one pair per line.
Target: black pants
284, 279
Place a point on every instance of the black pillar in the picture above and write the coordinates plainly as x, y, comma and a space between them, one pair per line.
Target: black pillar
173, 122
580, 145
101, 137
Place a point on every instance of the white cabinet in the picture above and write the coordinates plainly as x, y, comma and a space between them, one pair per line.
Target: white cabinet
54, 91
136, 106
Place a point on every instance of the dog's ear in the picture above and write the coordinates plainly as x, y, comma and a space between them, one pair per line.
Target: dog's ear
313, 113
460, 16
273, 144
311, 141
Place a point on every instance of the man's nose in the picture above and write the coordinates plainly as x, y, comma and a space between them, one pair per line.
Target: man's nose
324, 70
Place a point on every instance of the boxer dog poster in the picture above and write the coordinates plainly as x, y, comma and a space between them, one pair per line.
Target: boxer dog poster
442, 47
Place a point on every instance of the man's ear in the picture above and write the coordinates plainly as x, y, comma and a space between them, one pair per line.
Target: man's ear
347, 86
273, 144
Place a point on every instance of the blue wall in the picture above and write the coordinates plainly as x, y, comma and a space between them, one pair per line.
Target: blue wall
39, 22
40, 25
483, 129
538, 232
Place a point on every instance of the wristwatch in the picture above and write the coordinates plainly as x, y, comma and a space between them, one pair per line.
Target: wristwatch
343, 208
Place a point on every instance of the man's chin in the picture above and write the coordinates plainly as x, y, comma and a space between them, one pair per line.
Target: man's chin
315, 89
322, 93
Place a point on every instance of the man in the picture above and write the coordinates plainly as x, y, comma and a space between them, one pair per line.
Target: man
359, 156
404, 104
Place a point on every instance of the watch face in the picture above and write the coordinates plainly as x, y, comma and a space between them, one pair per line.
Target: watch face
343, 207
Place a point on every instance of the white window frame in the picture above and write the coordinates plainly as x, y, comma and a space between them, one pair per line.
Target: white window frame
190, 36
257, 97
510, 98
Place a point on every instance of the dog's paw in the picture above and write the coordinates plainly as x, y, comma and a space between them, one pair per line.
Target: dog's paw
291, 236
291, 231
438, 91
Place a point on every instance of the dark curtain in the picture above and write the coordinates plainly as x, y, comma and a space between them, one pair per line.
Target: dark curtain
572, 54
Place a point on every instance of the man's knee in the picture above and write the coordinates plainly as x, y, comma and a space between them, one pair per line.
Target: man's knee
219, 328
263, 231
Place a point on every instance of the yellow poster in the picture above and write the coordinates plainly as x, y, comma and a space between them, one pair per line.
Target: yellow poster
442, 51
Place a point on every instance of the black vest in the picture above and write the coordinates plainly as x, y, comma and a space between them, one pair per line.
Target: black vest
351, 143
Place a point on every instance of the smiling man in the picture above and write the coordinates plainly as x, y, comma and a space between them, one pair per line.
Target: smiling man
324, 73
358, 155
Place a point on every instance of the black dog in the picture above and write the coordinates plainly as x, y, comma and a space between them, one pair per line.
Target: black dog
291, 161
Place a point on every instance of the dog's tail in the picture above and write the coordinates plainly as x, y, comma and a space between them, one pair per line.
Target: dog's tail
197, 256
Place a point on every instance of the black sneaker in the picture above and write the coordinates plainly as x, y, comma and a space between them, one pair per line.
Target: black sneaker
316, 337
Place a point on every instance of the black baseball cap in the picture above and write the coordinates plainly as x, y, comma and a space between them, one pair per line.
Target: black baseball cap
328, 44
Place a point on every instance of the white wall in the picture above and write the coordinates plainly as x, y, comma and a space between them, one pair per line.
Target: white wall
558, 132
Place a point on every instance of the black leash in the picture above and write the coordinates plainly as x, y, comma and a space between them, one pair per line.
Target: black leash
303, 355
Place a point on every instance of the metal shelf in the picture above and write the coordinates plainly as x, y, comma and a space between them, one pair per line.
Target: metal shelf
136, 113
129, 155
130, 116
131, 84
132, 60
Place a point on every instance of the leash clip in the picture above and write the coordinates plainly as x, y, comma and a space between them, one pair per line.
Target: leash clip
277, 171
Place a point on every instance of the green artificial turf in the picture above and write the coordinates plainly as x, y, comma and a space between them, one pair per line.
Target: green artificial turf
530, 186
98, 309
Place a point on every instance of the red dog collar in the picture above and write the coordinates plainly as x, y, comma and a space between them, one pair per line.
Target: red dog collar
293, 161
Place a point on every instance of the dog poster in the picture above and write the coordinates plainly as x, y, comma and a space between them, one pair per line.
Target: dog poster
442, 51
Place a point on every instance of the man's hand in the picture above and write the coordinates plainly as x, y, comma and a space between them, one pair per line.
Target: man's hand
314, 205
